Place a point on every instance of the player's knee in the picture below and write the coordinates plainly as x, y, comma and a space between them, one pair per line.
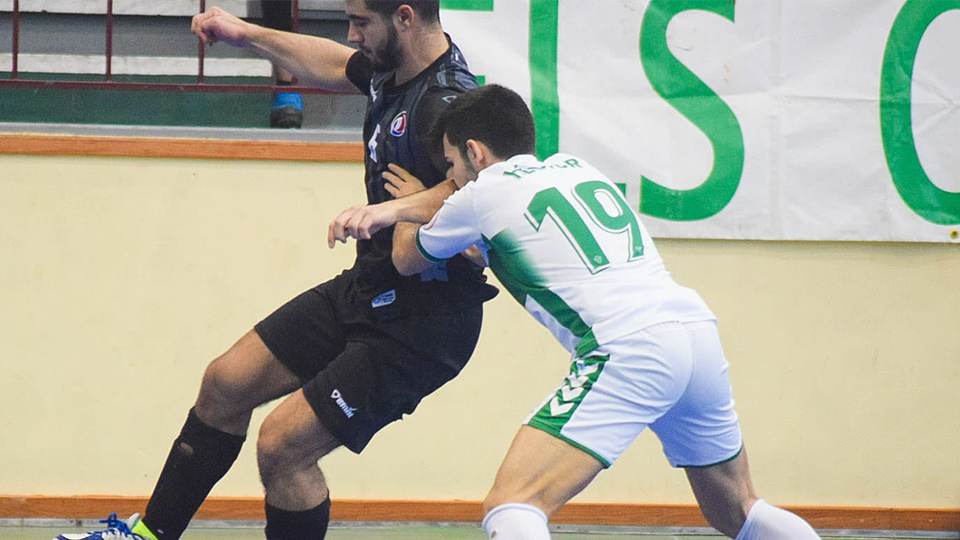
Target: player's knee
220, 389
273, 450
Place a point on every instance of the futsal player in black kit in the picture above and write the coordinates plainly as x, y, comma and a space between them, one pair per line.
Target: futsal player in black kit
361, 350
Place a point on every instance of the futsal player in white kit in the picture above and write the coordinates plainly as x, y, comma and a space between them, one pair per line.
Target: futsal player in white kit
645, 351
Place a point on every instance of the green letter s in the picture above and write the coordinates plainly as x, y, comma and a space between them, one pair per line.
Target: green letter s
695, 100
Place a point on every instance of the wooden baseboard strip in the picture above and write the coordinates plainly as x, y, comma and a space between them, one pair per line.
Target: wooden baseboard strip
160, 147
633, 515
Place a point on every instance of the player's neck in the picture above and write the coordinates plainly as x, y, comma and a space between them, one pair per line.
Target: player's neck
423, 51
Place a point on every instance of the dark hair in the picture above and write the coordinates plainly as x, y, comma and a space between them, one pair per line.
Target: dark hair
493, 115
428, 10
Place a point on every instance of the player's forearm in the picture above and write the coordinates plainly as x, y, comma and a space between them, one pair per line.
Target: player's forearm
406, 256
315, 61
421, 207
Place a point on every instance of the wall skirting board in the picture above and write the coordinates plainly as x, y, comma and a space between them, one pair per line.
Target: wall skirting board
635, 515
161, 147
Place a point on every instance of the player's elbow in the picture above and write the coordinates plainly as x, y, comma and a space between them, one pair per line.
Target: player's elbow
403, 264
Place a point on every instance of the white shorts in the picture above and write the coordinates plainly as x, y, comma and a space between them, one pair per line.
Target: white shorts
672, 377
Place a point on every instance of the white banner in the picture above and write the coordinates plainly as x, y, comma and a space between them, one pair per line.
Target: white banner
746, 119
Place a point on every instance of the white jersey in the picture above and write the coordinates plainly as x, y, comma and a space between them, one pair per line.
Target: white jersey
560, 236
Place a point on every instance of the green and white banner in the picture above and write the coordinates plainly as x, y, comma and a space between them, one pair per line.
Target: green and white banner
745, 119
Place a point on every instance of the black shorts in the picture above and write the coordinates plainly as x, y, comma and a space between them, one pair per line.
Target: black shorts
363, 367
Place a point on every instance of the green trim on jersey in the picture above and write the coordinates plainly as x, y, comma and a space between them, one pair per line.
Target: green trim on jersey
507, 261
558, 410
423, 250
517, 273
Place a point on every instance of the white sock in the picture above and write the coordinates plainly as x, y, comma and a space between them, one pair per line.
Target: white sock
767, 522
516, 522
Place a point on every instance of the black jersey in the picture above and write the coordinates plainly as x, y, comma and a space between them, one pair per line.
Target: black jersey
397, 121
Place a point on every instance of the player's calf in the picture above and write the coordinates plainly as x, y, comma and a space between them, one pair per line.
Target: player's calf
728, 501
201, 455
724, 492
290, 443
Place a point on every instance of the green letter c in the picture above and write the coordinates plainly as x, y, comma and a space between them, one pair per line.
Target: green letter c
921, 195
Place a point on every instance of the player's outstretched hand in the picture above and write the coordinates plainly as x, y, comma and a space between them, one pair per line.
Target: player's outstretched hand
360, 222
215, 25
401, 183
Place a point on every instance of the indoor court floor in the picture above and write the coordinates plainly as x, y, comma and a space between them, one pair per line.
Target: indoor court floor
47, 531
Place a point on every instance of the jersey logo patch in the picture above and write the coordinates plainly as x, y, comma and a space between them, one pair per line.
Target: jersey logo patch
399, 125
385, 299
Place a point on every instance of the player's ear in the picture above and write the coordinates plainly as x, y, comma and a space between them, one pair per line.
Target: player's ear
404, 15
476, 154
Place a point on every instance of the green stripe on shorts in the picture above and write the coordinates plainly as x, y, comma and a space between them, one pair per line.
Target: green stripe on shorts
558, 410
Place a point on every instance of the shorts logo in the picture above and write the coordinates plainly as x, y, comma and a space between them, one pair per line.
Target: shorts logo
399, 125
577, 382
347, 410
385, 299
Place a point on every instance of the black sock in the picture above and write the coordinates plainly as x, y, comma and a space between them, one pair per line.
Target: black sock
304, 525
200, 457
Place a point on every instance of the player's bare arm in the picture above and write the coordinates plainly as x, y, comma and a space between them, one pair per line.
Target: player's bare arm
401, 183
406, 257
361, 222
409, 260
313, 60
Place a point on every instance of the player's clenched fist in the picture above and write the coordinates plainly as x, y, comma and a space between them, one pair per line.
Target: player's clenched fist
215, 25
360, 222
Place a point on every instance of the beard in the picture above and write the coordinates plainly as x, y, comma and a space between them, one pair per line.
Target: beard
472, 172
389, 56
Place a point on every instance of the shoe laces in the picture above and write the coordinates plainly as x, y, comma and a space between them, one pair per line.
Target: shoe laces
117, 529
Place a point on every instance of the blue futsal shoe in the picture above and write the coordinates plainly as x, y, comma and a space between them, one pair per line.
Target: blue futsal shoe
287, 111
116, 530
